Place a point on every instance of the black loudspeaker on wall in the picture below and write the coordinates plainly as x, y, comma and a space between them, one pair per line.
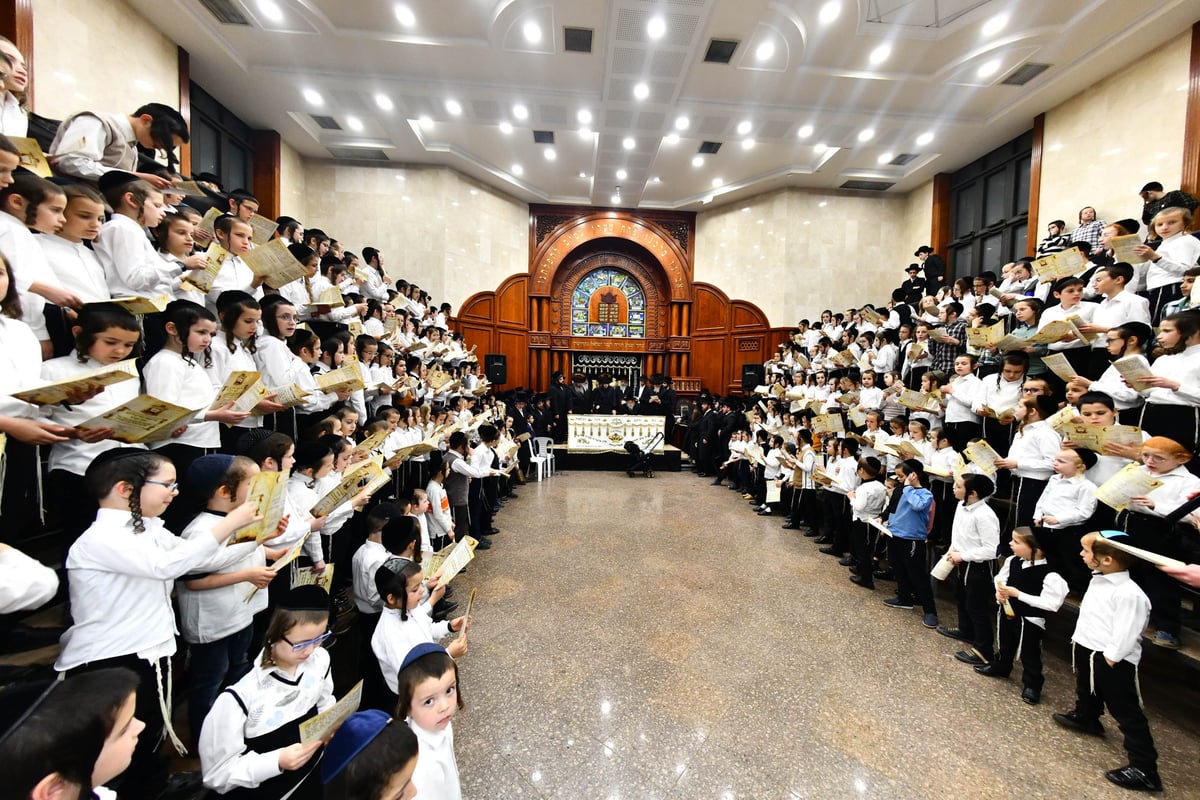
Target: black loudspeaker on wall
753, 375
495, 367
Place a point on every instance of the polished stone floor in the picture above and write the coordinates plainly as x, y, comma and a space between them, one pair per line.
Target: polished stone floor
653, 638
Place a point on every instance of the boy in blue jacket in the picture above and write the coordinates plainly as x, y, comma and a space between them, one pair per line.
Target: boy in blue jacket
909, 525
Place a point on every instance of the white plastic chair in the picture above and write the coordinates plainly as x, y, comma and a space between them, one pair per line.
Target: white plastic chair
543, 447
539, 464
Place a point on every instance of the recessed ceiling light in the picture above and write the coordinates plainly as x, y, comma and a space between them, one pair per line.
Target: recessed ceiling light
270, 10
585, 133
506, 128
880, 54
518, 170
820, 147
698, 161
995, 25
550, 154
744, 127
656, 27
804, 132
925, 138
765, 50
520, 111
641, 91
583, 174
405, 15
829, 12
616, 199
584, 116
866, 134
747, 144
622, 174
990, 68
885, 157
454, 107
822, 204
313, 97
400, 178
426, 122
532, 32
354, 124
682, 123
628, 143
717, 182
384, 102
656, 179
671, 138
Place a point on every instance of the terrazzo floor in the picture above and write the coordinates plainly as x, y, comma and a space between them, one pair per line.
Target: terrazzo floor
653, 638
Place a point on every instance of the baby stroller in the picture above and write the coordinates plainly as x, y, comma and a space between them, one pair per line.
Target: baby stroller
641, 458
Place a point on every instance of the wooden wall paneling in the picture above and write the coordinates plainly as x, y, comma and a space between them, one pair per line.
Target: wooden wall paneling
710, 310
481, 336
478, 306
267, 167
515, 346
512, 302
939, 234
708, 361
16, 25
1032, 230
748, 315
185, 110
1190, 180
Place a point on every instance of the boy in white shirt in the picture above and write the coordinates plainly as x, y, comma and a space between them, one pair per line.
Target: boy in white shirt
974, 540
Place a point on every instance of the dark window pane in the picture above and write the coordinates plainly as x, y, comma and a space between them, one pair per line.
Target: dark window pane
1023, 168
206, 147
234, 176
996, 202
992, 255
962, 261
1017, 243
964, 210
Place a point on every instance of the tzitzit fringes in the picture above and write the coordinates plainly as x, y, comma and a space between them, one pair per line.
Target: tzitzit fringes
164, 704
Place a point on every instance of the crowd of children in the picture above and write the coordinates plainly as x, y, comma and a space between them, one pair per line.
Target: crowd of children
968, 434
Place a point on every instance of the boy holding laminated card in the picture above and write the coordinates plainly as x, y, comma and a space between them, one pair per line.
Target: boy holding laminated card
1105, 650
974, 539
1062, 512
1026, 588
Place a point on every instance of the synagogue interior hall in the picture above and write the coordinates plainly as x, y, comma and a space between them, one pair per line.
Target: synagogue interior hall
705, 330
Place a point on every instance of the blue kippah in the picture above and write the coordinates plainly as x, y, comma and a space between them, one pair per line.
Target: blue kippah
205, 474
423, 649
358, 731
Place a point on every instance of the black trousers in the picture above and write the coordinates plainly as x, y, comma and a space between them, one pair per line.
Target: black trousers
961, 433
1061, 548
1099, 686
1020, 633
976, 596
907, 557
1158, 536
1025, 494
862, 540
1160, 297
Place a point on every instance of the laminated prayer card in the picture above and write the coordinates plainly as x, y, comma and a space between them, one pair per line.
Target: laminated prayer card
346, 489
31, 156
919, 401
1059, 265
323, 725
268, 492
274, 263
345, 378
306, 576
202, 280
1058, 364
1095, 437
982, 455
1134, 370
1123, 248
262, 229
371, 442
143, 419
985, 336
205, 226
243, 388
828, 423
291, 395
61, 391
142, 305
461, 554
1132, 481
1146, 555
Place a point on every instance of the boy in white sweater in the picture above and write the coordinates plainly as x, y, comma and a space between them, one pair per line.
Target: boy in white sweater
974, 540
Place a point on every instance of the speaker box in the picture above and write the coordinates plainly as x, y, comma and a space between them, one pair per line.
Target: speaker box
753, 375
495, 367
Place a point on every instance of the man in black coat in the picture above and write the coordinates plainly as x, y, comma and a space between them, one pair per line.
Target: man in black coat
935, 269
606, 398
579, 394
560, 404
706, 433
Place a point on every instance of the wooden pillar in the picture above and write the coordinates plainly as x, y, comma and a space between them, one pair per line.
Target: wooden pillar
16, 25
185, 107
939, 236
1032, 229
267, 146
1190, 180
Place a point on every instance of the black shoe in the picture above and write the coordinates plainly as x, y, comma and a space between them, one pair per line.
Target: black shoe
22, 638
511, 496
829, 551
824, 540
991, 670
953, 633
848, 561
701, 474
484, 544
1030, 696
1077, 723
787, 526
1136, 779
860, 581
493, 531
717, 482
971, 657
888, 574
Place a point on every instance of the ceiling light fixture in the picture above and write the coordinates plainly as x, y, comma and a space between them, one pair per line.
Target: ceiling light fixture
270, 10
990, 68
716, 182
622, 174
585, 133
822, 204
698, 161
829, 12
405, 15
820, 147
804, 132
682, 123
995, 25
454, 107
616, 199
506, 128
744, 127
583, 175
584, 116
925, 138
764, 51
383, 101
518, 170
671, 138
313, 97
656, 27
520, 112
550, 154
747, 144
354, 124
656, 179
641, 91
885, 157
880, 54
532, 32
426, 122
628, 143
866, 134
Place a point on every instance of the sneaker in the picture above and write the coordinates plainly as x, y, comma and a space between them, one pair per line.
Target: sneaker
1075, 722
1167, 640
953, 633
1136, 779
930, 621
972, 657
896, 602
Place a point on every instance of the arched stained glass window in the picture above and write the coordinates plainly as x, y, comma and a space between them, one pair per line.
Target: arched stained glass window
608, 303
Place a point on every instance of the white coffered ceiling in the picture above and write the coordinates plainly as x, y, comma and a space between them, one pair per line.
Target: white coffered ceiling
817, 93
